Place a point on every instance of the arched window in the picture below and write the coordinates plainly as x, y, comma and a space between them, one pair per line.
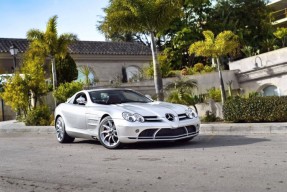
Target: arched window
271, 90
133, 74
82, 77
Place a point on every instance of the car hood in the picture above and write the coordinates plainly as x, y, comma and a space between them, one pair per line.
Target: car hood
153, 108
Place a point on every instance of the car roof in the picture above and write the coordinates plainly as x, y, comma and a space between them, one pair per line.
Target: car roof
107, 89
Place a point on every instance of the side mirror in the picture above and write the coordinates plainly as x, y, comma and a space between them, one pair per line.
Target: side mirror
81, 101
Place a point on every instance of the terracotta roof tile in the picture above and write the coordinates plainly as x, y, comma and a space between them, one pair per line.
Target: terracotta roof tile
85, 47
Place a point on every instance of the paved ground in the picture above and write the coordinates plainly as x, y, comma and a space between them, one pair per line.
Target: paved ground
211, 128
36, 162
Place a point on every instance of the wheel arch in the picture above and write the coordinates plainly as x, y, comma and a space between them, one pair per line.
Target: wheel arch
104, 116
55, 120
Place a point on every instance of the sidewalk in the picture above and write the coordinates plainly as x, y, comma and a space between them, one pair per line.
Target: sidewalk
211, 128
14, 126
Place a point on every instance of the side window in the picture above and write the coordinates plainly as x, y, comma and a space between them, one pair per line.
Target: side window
80, 99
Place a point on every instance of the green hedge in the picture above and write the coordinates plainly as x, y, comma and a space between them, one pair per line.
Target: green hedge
41, 115
256, 109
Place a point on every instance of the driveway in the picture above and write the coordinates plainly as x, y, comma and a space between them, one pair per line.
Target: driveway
36, 162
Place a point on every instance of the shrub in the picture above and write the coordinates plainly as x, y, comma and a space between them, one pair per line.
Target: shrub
256, 109
16, 94
38, 116
166, 71
66, 90
210, 117
66, 69
208, 69
214, 94
190, 71
198, 67
254, 94
184, 71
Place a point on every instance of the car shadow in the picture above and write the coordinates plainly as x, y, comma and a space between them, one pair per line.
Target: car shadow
201, 141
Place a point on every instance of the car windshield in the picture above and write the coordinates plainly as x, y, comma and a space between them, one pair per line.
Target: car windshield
117, 97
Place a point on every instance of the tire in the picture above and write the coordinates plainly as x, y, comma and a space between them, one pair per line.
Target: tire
61, 134
108, 135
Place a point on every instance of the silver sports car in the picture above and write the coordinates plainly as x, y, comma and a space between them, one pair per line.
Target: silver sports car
117, 116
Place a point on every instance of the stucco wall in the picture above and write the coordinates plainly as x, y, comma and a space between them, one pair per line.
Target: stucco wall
271, 70
210, 80
263, 60
109, 70
279, 81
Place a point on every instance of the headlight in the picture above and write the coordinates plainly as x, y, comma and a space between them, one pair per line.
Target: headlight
190, 113
133, 117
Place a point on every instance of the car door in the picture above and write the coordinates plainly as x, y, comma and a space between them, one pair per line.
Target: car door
76, 113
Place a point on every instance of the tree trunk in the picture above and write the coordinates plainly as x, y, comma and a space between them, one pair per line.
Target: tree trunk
223, 95
156, 70
54, 75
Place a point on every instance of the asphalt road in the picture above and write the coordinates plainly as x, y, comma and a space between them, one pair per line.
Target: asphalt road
36, 162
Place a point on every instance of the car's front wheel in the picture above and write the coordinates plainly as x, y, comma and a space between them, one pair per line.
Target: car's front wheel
108, 134
62, 136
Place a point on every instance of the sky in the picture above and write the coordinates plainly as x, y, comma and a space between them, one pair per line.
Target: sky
79, 17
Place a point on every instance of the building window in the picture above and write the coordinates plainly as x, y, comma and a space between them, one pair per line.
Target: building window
82, 76
271, 90
133, 74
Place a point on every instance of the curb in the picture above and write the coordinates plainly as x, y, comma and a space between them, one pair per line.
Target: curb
19, 127
244, 128
29, 129
216, 128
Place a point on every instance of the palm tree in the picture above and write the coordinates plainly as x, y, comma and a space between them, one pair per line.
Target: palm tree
181, 92
86, 71
138, 16
182, 85
224, 43
50, 44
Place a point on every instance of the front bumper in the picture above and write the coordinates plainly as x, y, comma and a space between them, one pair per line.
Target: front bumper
163, 131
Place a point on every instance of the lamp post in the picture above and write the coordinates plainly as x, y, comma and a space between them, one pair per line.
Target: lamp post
14, 51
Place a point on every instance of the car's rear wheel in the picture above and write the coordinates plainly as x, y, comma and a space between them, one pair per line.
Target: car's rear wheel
108, 134
62, 136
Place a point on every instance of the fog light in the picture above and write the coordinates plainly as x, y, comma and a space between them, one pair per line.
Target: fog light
137, 130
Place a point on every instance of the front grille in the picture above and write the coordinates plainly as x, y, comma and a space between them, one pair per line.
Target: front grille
147, 134
171, 132
167, 133
151, 119
191, 129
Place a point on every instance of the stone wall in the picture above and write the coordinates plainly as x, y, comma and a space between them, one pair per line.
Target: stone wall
213, 107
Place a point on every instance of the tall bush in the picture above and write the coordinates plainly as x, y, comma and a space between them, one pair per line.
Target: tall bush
16, 94
66, 69
40, 115
66, 90
214, 94
256, 109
